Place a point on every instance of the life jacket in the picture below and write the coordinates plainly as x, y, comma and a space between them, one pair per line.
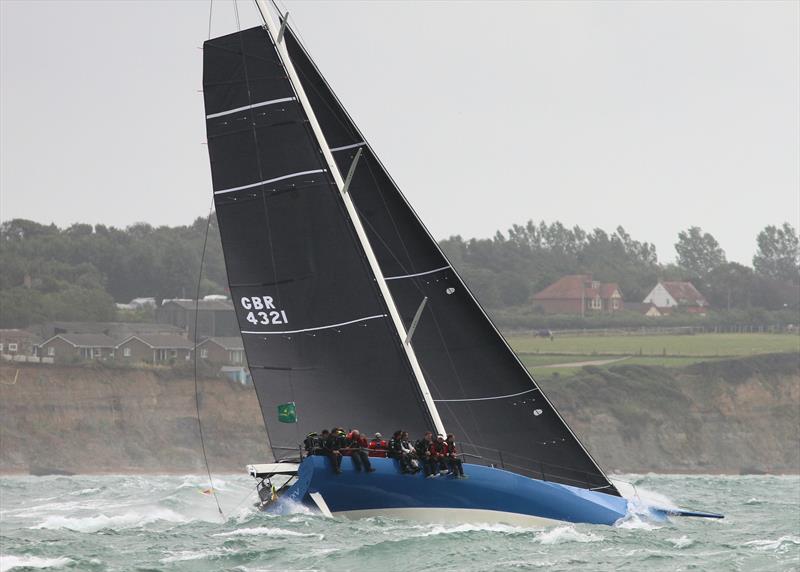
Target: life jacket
438, 449
377, 448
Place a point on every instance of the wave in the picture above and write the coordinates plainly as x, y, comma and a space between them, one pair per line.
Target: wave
562, 534
116, 522
682, 542
436, 530
266, 531
10, 561
187, 555
781, 544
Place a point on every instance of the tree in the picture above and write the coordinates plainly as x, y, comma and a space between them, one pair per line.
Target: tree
698, 252
778, 255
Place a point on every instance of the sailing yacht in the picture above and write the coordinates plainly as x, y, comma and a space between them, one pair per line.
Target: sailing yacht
351, 314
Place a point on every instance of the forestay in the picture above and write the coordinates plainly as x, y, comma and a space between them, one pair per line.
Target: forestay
483, 392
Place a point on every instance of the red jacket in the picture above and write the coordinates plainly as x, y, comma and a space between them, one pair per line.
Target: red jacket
438, 450
378, 448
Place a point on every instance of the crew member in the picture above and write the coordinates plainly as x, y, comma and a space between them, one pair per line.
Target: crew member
439, 454
423, 449
455, 464
330, 448
358, 451
312, 444
377, 446
408, 450
396, 452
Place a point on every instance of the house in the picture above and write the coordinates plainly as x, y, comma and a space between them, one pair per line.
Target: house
222, 351
579, 294
677, 295
154, 349
648, 309
215, 318
74, 347
15, 343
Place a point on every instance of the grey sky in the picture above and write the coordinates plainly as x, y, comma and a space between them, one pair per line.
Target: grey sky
655, 116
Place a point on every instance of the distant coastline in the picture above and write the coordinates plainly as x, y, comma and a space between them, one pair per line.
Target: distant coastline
732, 416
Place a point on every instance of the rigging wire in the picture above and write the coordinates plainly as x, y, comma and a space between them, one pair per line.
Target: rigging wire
196, 391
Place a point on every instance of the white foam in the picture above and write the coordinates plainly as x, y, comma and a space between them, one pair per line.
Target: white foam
10, 561
439, 529
186, 555
635, 521
265, 531
682, 542
562, 534
101, 521
781, 544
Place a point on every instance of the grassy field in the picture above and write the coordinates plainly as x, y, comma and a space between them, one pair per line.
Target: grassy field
698, 345
564, 356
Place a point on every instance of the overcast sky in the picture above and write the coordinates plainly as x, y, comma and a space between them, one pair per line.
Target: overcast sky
655, 116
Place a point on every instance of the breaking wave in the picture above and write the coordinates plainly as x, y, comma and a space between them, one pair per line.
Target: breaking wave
10, 562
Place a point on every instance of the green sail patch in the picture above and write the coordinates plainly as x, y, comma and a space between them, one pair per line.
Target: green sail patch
287, 413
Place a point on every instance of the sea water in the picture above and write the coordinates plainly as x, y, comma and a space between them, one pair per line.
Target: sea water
171, 523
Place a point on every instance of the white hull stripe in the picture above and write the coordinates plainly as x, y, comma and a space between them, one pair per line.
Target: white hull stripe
344, 147
458, 516
317, 328
417, 274
276, 179
262, 104
488, 398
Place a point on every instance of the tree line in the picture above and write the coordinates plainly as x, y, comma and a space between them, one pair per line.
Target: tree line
78, 272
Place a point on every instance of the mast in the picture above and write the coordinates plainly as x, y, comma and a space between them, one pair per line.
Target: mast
274, 31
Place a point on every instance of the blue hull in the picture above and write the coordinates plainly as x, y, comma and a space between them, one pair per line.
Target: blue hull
488, 495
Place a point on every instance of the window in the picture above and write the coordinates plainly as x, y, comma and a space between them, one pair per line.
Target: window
12, 347
96, 352
51, 351
173, 353
615, 303
595, 303
236, 356
203, 353
1, 347
126, 352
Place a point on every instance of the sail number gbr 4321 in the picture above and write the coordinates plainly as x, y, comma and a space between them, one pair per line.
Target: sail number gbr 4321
262, 310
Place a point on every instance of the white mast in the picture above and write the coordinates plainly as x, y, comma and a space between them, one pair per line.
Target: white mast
274, 30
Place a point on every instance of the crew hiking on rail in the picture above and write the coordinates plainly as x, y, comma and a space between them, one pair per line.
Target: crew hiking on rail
434, 457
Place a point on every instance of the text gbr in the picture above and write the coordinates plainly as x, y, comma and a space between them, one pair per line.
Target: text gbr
261, 310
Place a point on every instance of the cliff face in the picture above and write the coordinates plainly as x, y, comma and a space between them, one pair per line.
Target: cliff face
83, 419
731, 416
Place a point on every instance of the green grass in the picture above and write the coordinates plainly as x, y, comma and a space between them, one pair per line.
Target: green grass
699, 345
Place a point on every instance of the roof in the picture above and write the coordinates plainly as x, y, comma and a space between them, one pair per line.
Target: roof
641, 307
85, 340
685, 293
201, 304
167, 341
228, 343
565, 288
17, 334
573, 287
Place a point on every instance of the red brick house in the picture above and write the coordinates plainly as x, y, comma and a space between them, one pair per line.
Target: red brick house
76, 347
154, 349
579, 294
222, 351
18, 343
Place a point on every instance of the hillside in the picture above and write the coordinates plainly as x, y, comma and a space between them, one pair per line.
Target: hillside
739, 415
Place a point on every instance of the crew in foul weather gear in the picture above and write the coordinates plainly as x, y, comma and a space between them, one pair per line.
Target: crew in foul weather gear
378, 446
358, 451
439, 454
396, 452
330, 448
312, 444
423, 448
455, 464
408, 450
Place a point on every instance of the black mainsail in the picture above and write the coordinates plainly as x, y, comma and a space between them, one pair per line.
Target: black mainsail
315, 326
314, 313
